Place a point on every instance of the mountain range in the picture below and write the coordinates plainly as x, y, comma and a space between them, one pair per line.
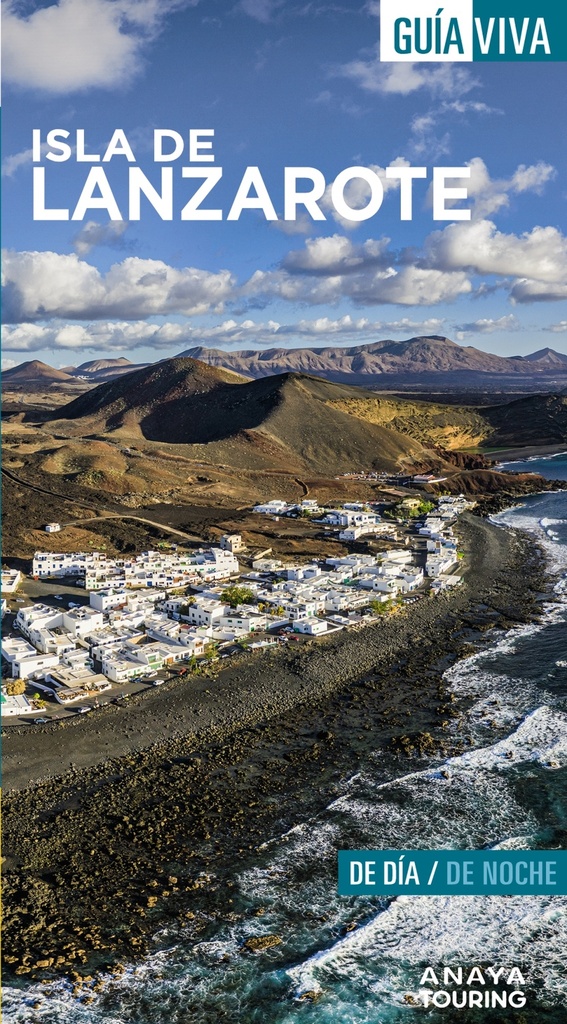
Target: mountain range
419, 361
368, 363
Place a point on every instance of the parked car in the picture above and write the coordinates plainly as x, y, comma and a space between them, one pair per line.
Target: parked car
40, 721
84, 709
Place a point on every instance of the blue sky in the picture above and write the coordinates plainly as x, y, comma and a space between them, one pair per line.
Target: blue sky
281, 84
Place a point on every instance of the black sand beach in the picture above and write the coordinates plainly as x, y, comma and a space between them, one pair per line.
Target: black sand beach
117, 824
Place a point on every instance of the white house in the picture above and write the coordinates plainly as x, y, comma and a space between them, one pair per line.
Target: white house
103, 600
310, 625
303, 572
24, 659
49, 641
205, 612
68, 684
16, 704
119, 666
38, 616
232, 542
11, 579
193, 641
81, 621
272, 508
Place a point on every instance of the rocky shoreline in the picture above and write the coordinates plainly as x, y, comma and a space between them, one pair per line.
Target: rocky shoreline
115, 828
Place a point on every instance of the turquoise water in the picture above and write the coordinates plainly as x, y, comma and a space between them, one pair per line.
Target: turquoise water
501, 793
553, 467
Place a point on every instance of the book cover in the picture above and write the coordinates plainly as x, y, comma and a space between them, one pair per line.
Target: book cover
284, 656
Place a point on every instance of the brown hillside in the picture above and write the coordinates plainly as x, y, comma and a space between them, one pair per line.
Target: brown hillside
537, 419
297, 422
161, 389
33, 372
290, 421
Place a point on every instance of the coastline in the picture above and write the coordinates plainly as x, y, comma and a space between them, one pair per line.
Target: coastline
245, 742
527, 452
268, 684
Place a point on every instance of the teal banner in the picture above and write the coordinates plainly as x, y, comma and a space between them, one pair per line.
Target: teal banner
452, 872
519, 30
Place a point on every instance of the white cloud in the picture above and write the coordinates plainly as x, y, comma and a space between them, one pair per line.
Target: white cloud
79, 44
100, 337
335, 254
531, 267
539, 255
526, 290
533, 178
12, 163
366, 286
328, 269
424, 138
123, 336
302, 225
47, 284
535, 263
403, 78
261, 10
92, 235
559, 328
490, 195
489, 326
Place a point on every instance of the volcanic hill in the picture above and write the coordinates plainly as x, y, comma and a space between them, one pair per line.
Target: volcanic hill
99, 370
34, 372
291, 421
296, 421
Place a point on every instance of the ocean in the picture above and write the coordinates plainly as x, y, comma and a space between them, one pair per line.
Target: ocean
359, 960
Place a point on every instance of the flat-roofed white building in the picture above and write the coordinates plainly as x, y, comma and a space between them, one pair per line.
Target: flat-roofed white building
343, 600
52, 641
81, 621
272, 508
104, 600
11, 579
16, 704
38, 616
60, 563
193, 641
119, 666
303, 572
24, 659
310, 625
160, 628
389, 585
105, 640
68, 684
205, 612
438, 565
